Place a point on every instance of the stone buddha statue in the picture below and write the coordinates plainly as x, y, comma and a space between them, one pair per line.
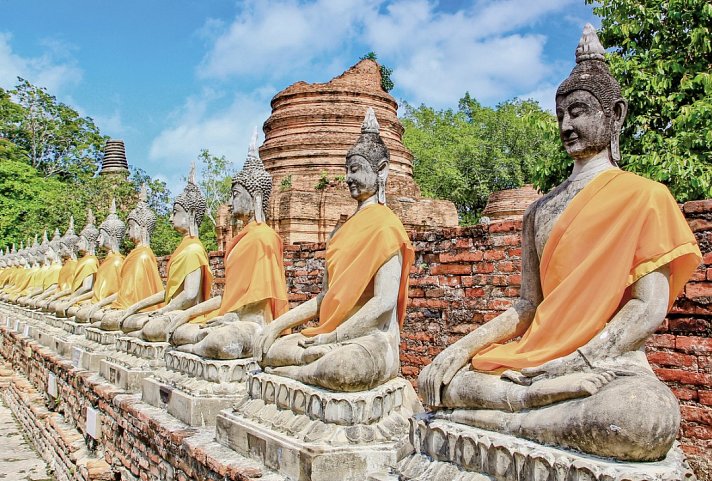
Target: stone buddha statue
49, 273
85, 270
255, 287
31, 274
106, 282
355, 346
7, 278
68, 253
189, 278
604, 256
140, 284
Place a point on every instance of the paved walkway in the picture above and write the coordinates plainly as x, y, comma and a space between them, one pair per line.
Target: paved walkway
18, 459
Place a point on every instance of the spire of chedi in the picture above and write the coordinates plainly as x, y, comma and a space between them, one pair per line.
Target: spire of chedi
114, 161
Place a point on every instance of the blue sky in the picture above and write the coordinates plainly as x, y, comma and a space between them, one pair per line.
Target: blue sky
172, 77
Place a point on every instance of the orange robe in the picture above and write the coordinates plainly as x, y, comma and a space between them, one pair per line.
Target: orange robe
66, 275
189, 256
51, 275
86, 266
106, 282
254, 271
354, 255
619, 228
139, 279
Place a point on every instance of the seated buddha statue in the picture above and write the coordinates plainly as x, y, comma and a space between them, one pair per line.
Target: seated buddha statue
355, 346
68, 254
84, 272
604, 255
106, 281
189, 278
49, 273
255, 287
33, 276
140, 283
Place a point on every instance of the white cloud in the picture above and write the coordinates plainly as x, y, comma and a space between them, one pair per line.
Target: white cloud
200, 125
54, 69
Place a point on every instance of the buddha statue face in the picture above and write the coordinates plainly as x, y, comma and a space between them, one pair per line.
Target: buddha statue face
361, 178
180, 219
189, 208
135, 232
241, 203
583, 125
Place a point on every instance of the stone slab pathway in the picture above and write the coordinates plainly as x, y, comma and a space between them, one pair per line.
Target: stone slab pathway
18, 459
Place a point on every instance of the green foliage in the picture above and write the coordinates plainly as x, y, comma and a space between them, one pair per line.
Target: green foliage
662, 53
286, 183
465, 155
386, 81
323, 182
215, 182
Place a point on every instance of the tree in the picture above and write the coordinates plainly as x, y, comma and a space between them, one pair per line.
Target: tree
215, 182
386, 81
661, 55
465, 155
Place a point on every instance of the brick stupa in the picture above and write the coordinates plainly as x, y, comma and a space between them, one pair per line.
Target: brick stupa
311, 128
114, 161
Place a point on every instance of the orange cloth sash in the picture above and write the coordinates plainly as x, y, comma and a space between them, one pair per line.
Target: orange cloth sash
86, 266
354, 255
254, 271
106, 282
52, 275
188, 256
139, 279
66, 274
617, 229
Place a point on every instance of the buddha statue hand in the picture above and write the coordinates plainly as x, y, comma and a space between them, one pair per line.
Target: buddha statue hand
220, 321
574, 362
175, 320
318, 340
440, 372
264, 341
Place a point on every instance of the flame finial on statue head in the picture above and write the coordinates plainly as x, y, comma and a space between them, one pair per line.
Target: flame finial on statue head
142, 213
143, 193
253, 176
192, 199
370, 123
252, 151
589, 47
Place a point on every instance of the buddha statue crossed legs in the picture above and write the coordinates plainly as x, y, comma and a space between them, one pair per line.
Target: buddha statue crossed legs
604, 256
355, 347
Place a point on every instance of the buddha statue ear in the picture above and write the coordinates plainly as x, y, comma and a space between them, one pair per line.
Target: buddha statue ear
620, 109
381, 180
259, 210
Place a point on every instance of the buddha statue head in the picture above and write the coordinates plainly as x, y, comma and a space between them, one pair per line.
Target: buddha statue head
34, 254
589, 104
141, 220
54, 247
189, 208
112, 230
367, 162
251, 187
43, 250
88, 236
68, 242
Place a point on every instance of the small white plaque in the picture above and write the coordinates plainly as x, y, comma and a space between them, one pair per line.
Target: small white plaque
8, 322
26, 330
93, 423
52, 385
76, 355
17, 325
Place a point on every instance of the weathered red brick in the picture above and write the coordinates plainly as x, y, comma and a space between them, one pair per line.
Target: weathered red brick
705, 397
695, 290
702, 415
676, 359
698, 206
451, 269
693, 344
685, 394
684, 377
466, 256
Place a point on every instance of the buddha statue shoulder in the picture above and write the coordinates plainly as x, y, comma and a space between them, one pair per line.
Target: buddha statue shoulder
68, 254
255, 293
604, 256
355, 346
53, 263
106, 283
140, 284
189, 277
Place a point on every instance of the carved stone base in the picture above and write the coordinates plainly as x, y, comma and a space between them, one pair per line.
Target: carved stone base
310, 434
447, 450
194, 389
100, 336
74, 328
132, 361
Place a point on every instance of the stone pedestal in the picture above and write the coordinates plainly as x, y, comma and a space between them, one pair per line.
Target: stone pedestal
97, 345
194, 389
74, 328
132, 361
310, 434
100, 336
447, 450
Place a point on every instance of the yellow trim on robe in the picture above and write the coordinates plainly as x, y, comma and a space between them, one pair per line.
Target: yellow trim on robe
254, 272
619, 228
354, 255
86, 266
139, 279
188, 256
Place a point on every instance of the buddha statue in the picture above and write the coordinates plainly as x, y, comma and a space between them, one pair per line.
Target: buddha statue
355, 346
48, 275
106, 282
140, 284
189, 278
31, 274
255, 287
10, 272
85, 270
68, 254
604, 255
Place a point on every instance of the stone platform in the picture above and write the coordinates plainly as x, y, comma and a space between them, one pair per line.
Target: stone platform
447, 450
132, 361
310, 434
194, 389
96, 346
